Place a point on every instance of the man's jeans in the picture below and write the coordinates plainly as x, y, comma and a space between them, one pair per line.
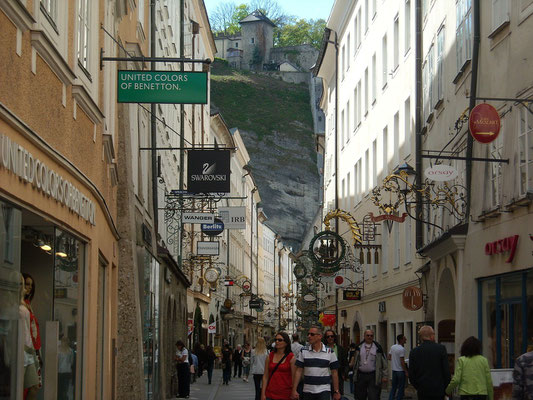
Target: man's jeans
366, 388
398, 384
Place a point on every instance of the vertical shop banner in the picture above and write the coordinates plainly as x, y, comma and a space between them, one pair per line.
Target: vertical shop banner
208, 171
190, 327
233, 217
212, 328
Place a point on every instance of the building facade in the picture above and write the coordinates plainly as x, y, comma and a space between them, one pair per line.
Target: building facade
369, 104
59, 213
486, 260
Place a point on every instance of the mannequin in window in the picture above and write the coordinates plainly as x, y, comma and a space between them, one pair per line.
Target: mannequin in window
31, 379
29, 283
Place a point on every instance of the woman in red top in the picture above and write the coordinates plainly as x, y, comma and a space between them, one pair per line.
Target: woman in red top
279, 370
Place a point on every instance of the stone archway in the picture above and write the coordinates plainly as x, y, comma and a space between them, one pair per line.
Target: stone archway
445, 314
357, 334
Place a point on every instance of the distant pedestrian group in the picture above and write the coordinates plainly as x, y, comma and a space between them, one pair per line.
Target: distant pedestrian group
318, 369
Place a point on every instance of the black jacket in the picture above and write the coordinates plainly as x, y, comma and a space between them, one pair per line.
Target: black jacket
429, 371
237, 357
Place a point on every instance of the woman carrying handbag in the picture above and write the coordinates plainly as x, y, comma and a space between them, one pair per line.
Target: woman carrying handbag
279, 370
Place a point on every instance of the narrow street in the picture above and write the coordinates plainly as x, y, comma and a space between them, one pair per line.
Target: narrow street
240, 390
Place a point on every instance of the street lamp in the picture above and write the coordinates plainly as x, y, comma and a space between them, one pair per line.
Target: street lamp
405, 177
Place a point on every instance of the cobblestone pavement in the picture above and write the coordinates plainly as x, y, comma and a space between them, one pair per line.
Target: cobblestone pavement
240, 390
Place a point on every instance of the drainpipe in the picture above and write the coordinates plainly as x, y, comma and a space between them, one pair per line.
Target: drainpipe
182, 125
279, 290
153, 124
418, 123
473, 94
336, 44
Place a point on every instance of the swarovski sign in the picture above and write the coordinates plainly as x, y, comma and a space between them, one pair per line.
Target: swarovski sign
22, 163
208, 171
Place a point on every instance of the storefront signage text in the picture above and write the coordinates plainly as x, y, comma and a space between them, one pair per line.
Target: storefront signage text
208, 171
412, 298
162, 87
502, 246
441, 173
484, 123
22, 163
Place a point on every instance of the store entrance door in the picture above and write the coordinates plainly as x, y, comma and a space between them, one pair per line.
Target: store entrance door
512, 329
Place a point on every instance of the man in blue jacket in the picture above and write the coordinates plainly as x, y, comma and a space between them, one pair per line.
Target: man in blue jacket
429, 371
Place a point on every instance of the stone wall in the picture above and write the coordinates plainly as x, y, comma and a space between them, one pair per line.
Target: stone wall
290, 77
303, 56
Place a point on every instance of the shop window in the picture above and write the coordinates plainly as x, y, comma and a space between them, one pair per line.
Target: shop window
52, 264
506, 317
10, 296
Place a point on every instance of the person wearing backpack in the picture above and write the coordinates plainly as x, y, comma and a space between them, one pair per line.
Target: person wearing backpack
279, 370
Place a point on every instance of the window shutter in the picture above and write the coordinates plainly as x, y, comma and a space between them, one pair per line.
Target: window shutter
500, 13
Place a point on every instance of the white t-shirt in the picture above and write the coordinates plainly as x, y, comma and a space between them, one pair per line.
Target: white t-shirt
182, 353
396, 352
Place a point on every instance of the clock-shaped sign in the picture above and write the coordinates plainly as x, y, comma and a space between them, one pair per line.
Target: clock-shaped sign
299, 271
211, 275
246, 286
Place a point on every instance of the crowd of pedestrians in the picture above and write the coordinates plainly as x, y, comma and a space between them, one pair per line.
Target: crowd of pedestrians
318, 369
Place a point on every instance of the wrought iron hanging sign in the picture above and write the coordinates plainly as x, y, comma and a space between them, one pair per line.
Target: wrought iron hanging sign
327, 248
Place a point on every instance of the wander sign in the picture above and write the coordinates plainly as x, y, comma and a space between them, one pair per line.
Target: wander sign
162, 87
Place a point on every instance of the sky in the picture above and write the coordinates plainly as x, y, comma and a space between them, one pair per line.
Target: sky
308, 9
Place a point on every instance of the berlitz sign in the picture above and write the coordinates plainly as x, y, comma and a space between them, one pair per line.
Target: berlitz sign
441, 173
208, 171
503, 246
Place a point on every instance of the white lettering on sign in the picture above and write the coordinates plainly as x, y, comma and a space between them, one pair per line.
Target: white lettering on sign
29, 169
441, 173
198, 218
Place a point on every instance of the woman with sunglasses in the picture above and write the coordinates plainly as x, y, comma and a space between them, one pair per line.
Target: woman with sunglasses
279, 370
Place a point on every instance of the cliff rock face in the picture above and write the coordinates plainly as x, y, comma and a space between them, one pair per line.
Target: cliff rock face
275, 122
286, 174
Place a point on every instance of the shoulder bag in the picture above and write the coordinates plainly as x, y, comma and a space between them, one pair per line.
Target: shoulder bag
275, 368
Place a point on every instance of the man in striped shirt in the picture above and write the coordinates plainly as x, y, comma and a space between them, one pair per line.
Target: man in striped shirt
320, 366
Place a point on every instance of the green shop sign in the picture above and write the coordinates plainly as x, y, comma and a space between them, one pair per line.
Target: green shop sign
162, 87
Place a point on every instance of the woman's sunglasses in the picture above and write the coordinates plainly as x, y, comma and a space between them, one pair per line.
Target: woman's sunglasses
279, 340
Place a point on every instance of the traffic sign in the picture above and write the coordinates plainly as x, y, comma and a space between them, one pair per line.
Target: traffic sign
484, 123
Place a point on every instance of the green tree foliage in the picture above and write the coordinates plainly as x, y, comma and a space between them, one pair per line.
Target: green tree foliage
302, 31
289, 30
225, 19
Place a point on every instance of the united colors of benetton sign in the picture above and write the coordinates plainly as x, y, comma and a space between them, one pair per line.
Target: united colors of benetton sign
162, 87
208, 171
